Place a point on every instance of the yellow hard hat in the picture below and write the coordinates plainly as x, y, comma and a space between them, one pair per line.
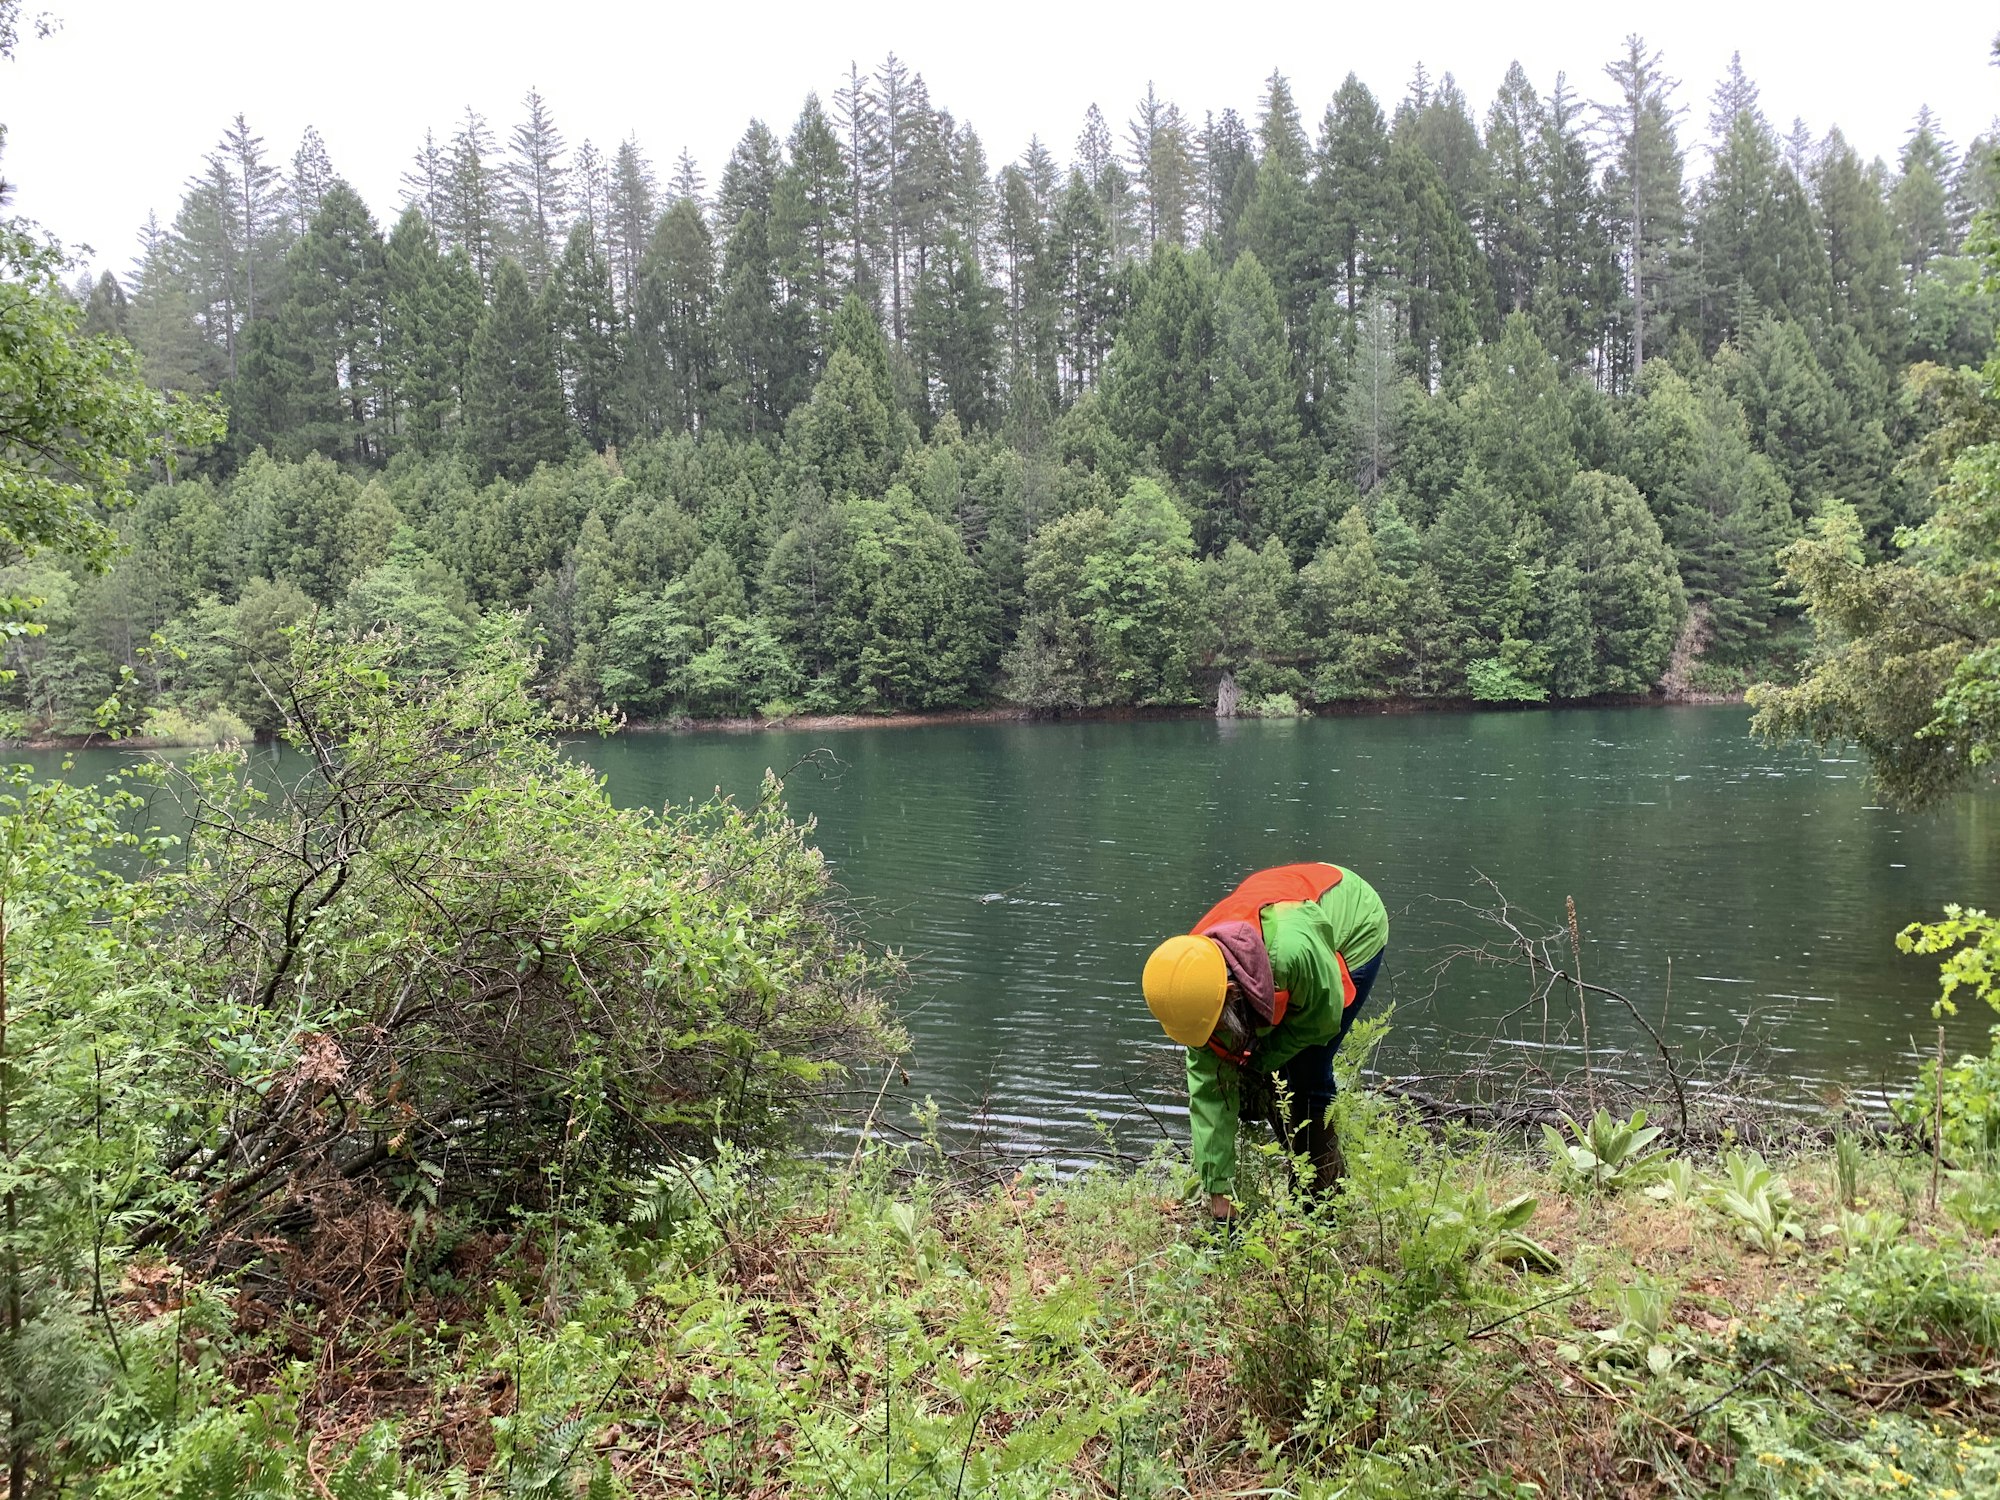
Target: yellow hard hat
1185, 982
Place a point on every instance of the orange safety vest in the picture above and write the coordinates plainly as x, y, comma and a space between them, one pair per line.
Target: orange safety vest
1306, 882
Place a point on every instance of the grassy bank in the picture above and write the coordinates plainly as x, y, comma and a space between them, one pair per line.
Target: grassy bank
1472, 1315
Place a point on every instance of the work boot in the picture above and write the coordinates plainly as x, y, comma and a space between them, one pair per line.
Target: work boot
1323, 1150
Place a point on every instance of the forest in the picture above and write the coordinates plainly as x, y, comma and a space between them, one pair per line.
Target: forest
1410, 401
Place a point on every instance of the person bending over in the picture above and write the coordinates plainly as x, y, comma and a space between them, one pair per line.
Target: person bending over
1265, 987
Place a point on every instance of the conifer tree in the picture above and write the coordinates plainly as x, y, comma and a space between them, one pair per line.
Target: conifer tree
1351, 615
332, 323
426, 182
1278, 226
1351, 188
1156, 386
107, 311
1646, 185
1472, 547
1372, 399
1580, 278
514, 414
1510, 215
1519, 427
672, 361
1081, 251
1861, 248
1227, 167
472, 213
1920, 202
590, 190
1252, 455
630, 217
1631, 603
858, 114
588, 338
1160, 159
1439, 281
312, 175
1443, 130
1726, 512
955, 340
842, 436
537, 183
810, 234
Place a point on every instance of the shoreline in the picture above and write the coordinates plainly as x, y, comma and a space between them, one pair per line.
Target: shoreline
1003, 713
1016, 714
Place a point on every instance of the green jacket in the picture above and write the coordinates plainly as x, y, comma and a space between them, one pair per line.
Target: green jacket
1302, 938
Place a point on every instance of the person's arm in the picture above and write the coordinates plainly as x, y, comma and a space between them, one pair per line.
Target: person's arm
1214, 1089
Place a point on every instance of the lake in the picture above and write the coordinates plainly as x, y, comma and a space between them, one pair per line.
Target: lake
1026, 869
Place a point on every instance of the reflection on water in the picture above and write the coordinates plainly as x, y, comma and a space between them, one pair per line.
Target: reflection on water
1026, 869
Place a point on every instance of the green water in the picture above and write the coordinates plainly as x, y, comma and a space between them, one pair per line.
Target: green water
1026, 869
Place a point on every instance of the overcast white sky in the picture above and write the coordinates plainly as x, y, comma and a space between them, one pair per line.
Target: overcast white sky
109, 117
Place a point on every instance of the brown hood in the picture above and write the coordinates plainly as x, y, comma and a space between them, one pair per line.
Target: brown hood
1249, 965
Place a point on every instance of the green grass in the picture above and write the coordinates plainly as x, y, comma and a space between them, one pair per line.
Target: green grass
880, 1332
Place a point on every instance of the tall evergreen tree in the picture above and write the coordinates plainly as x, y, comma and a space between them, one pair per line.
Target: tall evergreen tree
312, 174
1080, 246
1510, 217
1755, 247
1861, 248
1156, 386
588, 338
472, 220
631, 215
810, 233
514, 411
1443, 130
1227, 166
319, 379
1579, 282
536, 177
1920, 202
1439, 282
955, 337
1646, 185
1252, 455
1279, 225
857, 111
1160, 157
672, 362
1351, 188
427, 182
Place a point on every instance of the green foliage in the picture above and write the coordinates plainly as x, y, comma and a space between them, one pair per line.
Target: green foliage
1972, 940
1906, 661
1759, 1202
1467, 330
1113, 607
79, 1100
1961, 1109
78, 420
1679, 1184
1607, 1154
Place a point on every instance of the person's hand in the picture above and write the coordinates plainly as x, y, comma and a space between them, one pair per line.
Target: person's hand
1220, 1208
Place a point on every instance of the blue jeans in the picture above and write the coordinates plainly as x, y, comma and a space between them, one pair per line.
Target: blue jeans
1309, 1075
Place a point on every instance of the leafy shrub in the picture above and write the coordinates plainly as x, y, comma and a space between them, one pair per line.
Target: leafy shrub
446, 952
1271, 706
175, 728
1492, 680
